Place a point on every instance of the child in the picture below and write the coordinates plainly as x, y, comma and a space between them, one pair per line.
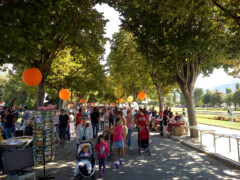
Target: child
85, 151
102, 149
118, 143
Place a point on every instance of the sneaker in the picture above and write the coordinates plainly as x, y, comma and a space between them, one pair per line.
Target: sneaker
116, 166
121, 162
100, 174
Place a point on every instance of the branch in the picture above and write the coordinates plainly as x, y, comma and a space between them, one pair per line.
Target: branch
237, 19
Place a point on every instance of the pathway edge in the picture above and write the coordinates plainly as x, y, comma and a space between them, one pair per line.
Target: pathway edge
218, 157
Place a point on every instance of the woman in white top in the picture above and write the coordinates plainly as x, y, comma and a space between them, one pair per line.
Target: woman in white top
72, 130
84, 132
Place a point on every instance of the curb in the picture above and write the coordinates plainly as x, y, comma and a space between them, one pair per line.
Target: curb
218, 157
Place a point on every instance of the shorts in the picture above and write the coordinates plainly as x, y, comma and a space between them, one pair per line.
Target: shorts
62, 133
118, 144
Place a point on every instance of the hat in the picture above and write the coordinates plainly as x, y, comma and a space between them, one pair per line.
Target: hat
24, 106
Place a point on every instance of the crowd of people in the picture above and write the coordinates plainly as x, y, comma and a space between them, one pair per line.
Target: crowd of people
15, 118
116, 125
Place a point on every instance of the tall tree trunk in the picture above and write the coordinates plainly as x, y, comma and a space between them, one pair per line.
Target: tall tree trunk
191, 111
186, 76
160, 97
41, 92
134, 94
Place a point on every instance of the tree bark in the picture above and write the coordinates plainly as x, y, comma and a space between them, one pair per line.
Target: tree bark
160, 97
191, 111
41, 92
134, 94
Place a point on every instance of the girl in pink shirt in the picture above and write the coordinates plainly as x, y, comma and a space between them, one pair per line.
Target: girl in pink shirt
103, 151
118, 142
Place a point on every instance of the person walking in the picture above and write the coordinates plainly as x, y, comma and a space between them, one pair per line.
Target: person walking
95, 122
130, 125
110, 118
103, 151
63, 126
118, 143
84, 132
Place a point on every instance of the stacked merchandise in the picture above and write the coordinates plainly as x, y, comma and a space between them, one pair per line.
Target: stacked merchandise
43, 135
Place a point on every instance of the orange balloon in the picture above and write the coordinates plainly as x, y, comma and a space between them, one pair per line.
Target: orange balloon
121, 100
32, 77
82, 100
64, 94
141, 95
112, 104
89, 104
116, 101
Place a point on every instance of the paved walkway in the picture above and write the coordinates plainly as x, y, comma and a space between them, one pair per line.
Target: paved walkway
222, 144
169, 160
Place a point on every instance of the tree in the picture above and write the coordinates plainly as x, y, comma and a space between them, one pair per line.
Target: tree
237, 86
3, 81
228, 90
198, 92
17, 93
207, 97
126, 66
35, 32
229, 99
217, 98
182, 100
236, 98
189, 34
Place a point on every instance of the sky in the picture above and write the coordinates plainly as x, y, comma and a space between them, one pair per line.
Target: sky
218, 77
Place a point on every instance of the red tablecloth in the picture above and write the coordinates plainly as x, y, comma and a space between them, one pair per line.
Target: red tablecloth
173, 124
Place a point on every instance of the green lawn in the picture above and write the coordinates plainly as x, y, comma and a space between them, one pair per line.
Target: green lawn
226, 124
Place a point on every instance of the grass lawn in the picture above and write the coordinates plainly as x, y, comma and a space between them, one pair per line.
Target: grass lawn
226, 124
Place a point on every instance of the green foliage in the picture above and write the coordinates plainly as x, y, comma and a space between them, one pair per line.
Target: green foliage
236, 97
207, 97
228, 90
237, 86
198, 92
35, 32
182, 100
17, 93
127, 67
229, 98
217, 98
3, 81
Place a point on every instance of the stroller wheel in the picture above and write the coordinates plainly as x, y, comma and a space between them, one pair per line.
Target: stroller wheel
93, 176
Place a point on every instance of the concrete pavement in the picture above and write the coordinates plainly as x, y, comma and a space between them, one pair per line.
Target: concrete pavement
169, 160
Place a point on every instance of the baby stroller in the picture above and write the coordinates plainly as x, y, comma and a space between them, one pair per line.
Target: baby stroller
85, 166
143, 141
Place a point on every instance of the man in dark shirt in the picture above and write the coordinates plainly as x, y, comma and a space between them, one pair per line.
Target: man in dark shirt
154, 112
95, 121
63, 125
165, 111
